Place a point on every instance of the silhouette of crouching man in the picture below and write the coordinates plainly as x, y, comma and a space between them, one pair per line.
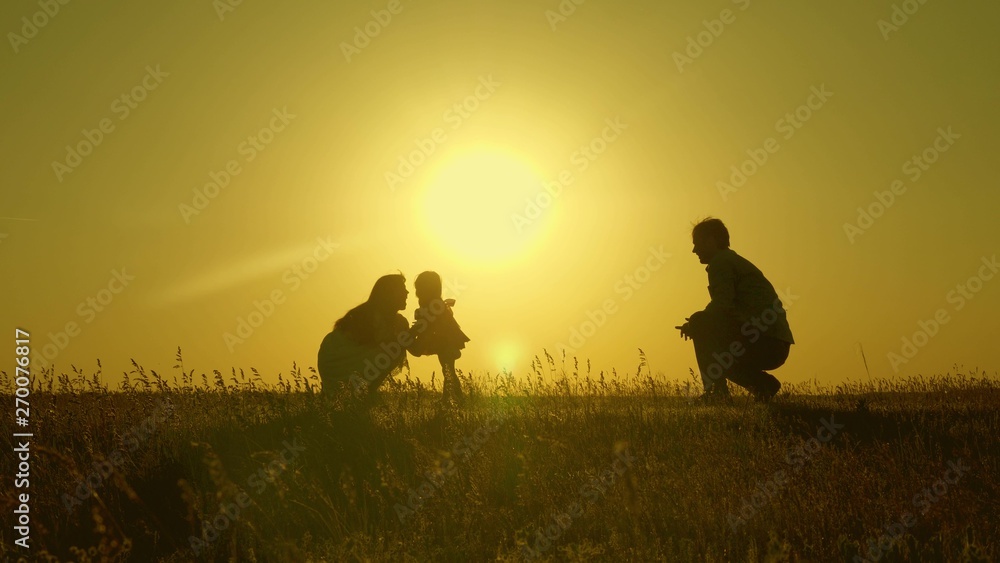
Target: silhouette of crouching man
743, 332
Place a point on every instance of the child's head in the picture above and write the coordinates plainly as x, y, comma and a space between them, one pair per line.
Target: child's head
428, 285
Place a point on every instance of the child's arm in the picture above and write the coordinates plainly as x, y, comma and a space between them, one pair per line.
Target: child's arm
416, 331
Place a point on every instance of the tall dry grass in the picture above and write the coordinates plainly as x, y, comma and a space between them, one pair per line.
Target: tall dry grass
412, 479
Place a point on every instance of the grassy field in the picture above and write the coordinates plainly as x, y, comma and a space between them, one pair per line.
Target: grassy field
557, 465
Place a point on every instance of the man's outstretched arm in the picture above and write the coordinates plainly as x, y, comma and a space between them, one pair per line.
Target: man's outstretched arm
722, 289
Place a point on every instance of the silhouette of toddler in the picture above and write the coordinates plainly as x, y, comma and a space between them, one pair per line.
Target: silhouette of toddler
437, 333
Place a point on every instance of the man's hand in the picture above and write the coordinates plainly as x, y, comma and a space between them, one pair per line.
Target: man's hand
690, 328
684, 328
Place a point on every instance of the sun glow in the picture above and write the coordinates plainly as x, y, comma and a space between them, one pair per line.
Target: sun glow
507, 355
470, 204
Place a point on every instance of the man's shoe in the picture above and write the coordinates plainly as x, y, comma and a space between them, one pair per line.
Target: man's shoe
772, 390
715, 398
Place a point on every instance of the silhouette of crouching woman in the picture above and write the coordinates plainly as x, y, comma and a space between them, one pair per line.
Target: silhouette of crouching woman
368, 344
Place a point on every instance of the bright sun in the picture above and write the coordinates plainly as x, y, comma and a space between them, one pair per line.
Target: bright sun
470, 203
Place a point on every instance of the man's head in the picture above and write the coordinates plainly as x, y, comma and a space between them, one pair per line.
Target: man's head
709, 237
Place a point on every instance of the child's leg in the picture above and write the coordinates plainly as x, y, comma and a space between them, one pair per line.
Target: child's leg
445, 379
456, 383
452, 385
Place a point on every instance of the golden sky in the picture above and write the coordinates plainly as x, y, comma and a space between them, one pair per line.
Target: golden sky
169, 170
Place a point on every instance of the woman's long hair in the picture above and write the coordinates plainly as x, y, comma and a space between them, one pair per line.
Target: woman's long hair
359, 321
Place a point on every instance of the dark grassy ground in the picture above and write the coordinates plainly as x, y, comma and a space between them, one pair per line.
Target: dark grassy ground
605, 469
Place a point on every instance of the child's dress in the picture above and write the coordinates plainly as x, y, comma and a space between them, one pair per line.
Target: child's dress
438, 334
